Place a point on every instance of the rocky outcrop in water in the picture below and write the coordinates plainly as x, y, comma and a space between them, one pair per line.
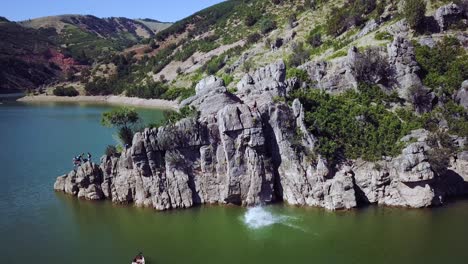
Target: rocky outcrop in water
247, 149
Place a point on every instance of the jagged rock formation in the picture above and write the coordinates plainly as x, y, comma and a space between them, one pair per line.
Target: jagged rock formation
340, 74
447, 14
333, 77
462, 95
243, 149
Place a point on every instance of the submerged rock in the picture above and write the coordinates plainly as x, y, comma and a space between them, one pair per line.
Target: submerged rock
247, 149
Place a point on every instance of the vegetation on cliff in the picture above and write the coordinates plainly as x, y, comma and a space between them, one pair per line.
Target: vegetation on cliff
124, 119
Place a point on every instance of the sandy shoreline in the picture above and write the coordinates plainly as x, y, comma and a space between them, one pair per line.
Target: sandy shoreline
111, 99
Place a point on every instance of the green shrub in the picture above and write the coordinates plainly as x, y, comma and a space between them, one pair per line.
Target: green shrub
300, 74
253, 38
348, 127
340, 53
124, 119
179, 93
247, 65
457, 118
352, 13
371, 66
252, 18
420, 98
383, 35
414, 12
125, 134
111, 151
232, 90
171, 117
314, 39
152, 90
227, 79
299, 55
99, 86
442, 150
65, 91
214, 65
267, 25
370, 93
445, 65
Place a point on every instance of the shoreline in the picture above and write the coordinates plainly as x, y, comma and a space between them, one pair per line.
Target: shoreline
103, 99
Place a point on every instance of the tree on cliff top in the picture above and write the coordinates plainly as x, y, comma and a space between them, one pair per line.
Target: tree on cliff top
414, 11
120, 117
124, 119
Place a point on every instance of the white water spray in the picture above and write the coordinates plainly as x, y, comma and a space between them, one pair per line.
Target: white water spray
259, 217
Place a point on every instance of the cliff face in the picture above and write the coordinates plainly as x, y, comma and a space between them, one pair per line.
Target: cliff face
243, 149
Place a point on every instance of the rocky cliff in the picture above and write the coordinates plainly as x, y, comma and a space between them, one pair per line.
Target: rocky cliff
247, 149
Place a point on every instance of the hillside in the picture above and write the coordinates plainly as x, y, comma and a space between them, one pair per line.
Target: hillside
89, 37
50, 49
234, 37
102, 27
26, 57
154, 25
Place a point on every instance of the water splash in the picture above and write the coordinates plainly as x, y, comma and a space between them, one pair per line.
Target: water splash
259, 217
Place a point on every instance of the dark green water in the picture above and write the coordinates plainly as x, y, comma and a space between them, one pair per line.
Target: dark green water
37, 225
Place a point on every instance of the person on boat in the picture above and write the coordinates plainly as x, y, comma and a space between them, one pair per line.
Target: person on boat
139, 259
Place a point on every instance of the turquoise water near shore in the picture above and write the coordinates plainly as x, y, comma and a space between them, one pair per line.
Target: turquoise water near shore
37, 225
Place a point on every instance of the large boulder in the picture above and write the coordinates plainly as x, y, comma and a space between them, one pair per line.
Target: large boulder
211, 96
461, 97
208, 84
447, 14
333, 76
263, 85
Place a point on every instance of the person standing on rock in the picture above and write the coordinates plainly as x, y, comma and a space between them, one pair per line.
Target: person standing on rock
76, 163
89, 157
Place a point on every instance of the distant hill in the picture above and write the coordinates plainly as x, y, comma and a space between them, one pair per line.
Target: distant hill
43, 50
155, 25
88, 37
26, 57
113, 27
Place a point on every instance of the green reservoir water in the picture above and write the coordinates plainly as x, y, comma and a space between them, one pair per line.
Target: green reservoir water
37, 143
